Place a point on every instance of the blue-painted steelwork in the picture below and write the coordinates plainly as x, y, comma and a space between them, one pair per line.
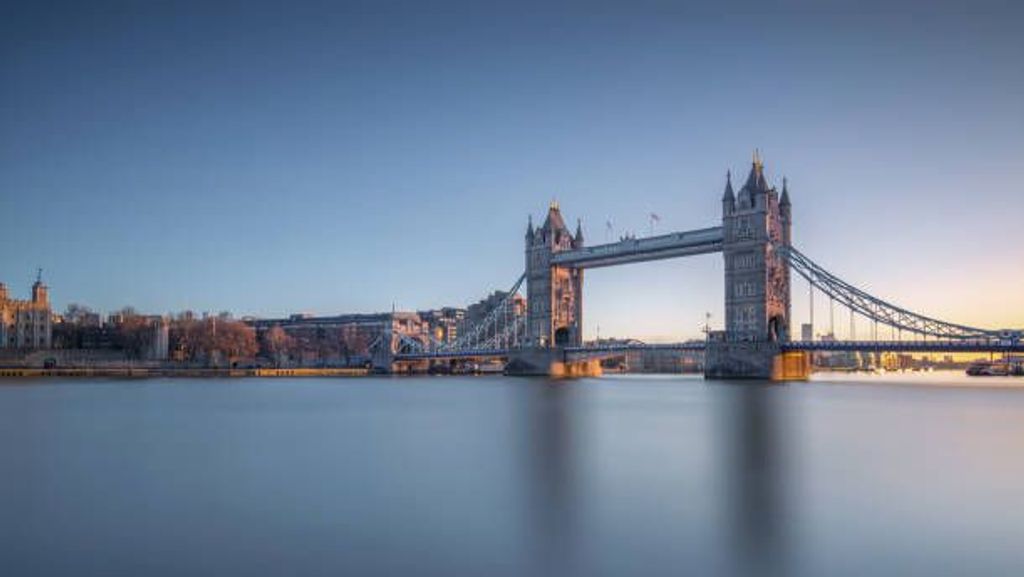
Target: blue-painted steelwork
503, 331
693, 346
952, 346
452, 355
877, 310
629, 250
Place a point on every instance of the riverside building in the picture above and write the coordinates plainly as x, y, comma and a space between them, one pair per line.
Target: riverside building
26, 324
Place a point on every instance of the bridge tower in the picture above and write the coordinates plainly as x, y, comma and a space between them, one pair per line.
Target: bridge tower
554, 295
755, 222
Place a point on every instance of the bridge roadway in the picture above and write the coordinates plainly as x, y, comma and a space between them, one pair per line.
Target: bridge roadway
698, 346
693, 242
964, 346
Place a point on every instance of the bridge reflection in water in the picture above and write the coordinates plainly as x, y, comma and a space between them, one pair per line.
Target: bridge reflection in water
754, 466
723, 509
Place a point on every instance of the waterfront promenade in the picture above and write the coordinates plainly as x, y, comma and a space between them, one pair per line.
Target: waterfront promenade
147, 372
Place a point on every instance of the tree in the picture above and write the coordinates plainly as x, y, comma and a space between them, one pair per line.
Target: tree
202, 340
134, 334
277, 344
76, 313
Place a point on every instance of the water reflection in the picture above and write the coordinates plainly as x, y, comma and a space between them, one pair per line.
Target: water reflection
455, 476
551, 477
737, 527
755, 469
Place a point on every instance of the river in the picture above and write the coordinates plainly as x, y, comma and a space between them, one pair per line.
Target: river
442, 476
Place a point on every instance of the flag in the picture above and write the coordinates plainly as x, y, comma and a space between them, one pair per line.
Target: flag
655, 217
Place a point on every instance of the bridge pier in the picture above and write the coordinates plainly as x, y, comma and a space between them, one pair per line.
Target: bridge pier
740, 360
549, 362
762, 360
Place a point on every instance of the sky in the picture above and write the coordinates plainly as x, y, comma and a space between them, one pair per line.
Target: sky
272, 158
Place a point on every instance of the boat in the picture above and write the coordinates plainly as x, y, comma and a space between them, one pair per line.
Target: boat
990, 369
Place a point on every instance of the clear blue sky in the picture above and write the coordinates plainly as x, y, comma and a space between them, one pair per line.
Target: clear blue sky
271, 158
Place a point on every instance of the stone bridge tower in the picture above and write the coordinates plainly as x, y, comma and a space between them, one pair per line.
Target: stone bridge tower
755, 223
554, 295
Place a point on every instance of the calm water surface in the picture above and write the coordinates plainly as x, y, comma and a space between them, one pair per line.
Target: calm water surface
440, 476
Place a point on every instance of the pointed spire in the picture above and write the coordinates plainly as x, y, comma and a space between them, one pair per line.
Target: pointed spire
529, 226
784, 200
728, 195
579, 231
755, 180
554, 219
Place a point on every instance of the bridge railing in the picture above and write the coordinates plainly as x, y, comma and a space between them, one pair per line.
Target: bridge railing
909, 346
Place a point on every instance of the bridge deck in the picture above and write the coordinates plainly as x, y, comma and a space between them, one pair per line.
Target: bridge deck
697, 346
694, 242
906, 346
451, 355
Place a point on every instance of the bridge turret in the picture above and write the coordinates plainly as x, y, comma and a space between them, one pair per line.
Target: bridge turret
578, 240
756, 188
554, 294
529, 229
785, 214
728, 197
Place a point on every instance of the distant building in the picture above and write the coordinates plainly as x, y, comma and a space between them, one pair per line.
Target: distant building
26, 324
807, 332
443, 324
477, 312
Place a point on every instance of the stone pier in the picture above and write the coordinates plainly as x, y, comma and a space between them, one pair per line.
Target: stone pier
755, 360
549, 362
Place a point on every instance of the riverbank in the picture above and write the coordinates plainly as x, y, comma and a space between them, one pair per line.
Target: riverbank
149, 372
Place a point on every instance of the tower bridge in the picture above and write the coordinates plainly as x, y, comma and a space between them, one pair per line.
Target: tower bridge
755, 239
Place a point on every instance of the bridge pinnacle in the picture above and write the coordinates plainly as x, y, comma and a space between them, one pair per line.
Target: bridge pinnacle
756, 182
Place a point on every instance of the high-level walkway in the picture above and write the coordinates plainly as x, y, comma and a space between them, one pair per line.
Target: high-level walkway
630, 250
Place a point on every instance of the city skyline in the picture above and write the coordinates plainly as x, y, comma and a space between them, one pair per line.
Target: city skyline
397, 158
